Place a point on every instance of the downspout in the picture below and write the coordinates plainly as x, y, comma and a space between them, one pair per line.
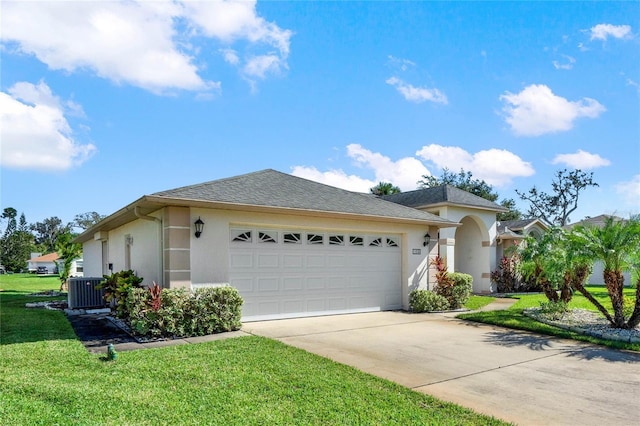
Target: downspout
139, 215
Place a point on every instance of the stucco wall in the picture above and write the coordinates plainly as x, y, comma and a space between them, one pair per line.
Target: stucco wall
145, 251
92, 256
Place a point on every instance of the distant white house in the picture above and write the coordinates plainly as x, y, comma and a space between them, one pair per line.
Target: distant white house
51, 264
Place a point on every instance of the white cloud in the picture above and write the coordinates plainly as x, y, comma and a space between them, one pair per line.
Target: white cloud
230, 56
35, 133
567, 65
581, 160
417, 94
336, 178
633, 83
495, 166
259, 66
400, 63
141, 43
630, 191
603, 31
233, 20
404, 173
537, 110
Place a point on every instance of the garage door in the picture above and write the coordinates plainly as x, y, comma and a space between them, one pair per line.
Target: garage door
284, 273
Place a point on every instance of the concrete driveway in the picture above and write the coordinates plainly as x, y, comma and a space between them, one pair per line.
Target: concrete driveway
517, 376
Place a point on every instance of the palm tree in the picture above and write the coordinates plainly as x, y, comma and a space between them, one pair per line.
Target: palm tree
615, 243
384, 188
543, 260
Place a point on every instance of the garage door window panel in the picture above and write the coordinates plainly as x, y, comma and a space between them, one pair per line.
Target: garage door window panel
267, 237
292, 238
315, 239
241, 236
336, 240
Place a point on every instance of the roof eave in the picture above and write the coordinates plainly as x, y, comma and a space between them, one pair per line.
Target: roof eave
151, 203
496, 209
169, 201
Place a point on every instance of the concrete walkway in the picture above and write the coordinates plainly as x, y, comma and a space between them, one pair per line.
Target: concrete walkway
516, 376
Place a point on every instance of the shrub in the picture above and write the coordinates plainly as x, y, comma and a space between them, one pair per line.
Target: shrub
180, 313
456, 289
426, 301
628, 304
554, 310
116, 290
505, 277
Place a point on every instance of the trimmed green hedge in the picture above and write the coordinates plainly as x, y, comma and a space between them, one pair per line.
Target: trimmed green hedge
180, 313
427, 301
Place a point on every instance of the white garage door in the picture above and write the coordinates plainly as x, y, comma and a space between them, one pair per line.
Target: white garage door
296, 273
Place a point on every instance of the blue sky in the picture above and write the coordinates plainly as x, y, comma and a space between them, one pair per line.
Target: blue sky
103, 102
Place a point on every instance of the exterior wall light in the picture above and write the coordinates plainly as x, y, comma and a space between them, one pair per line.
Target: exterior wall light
199, 224
427, 239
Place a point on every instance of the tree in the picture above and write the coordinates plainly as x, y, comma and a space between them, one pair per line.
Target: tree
465, 181
47, 231
617, 245
85, 221
542, 260
67, 251
16, 242
556, 207
512, 214
384, 188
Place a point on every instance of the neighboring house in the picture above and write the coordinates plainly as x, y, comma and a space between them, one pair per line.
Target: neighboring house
43, 264
470, 248
50, 264
511, 232
596, 276
291, 246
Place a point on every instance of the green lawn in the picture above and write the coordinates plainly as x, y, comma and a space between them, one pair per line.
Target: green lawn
514, 318
477, 302
47, 377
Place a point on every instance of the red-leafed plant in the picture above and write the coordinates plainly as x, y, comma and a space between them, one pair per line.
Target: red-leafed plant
156, 297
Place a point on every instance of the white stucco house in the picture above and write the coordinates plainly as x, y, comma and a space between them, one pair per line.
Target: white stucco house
52, 263
46, 262
294, 247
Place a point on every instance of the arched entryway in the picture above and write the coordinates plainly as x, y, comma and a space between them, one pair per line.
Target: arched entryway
472, 256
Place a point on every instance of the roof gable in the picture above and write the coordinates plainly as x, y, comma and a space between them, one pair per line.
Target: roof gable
442, 194
520, 225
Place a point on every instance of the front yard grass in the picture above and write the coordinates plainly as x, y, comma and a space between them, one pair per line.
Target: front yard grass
514, 317
48, 377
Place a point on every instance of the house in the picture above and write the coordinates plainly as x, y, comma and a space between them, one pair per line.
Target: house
511, 232
291, 246
469, 248
596, 277
43, 264
51, 264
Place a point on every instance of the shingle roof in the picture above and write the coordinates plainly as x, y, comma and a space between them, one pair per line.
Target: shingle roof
447, 194
271, 188
597, 221
51, 257
515, 225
